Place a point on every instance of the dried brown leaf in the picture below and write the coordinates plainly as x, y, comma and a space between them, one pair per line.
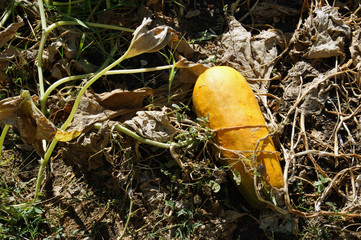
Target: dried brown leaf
322, 35
61, 69
272, 9
355, 48
190, 71
33, 126
95, 108
183, 47
22, 113
88, 151
120, 99
3, 78
70, 47
63, 136
253, 56
6, 56
153, 125
10, 32
84, 66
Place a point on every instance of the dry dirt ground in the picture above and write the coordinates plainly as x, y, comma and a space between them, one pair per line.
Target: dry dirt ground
302, 59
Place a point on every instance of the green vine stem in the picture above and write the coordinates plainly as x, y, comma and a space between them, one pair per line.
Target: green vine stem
120, 128
8, 12
128, 220
110, 72
43, 164
128, 54
42, 14
2, 137
44, 36
45, 33
132, 134
53, 143
63, 3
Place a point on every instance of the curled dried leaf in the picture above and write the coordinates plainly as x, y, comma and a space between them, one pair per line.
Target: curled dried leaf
322, 35
118, 103
153, 125
190, 71
22, 113
33, 126
355, 48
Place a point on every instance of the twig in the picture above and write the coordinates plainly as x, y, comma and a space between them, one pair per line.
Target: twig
342, 119
288, 157
326, 154
303, 131
332, 184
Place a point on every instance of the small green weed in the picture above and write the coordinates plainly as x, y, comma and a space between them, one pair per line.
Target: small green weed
180, 111
320, 184
205, 36
22, 222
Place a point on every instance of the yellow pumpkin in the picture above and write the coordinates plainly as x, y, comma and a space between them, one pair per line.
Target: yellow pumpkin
224, 95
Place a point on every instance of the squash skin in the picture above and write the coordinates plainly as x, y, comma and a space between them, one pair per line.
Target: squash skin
224, 95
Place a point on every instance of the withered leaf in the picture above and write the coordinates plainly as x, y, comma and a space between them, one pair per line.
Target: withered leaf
253, 56
33, 126
355, 48
10, 32
190, 71
22, 113
7, 56
322, 35
153, 125
95, 108
120, 99
3, 78
63, 136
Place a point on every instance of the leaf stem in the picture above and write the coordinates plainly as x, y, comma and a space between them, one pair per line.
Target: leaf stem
47, 30
8, 12
110, 72
122, 129
128, 219
2, 137
42, 14
43, 164
132, 134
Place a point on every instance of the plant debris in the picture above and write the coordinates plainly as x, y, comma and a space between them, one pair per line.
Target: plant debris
153, 125
7, 34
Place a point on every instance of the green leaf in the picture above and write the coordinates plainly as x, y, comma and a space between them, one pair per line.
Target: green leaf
81, 23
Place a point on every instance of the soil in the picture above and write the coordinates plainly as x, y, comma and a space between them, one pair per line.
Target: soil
107, 185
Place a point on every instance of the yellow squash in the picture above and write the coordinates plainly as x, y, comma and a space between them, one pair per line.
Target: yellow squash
224, 95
